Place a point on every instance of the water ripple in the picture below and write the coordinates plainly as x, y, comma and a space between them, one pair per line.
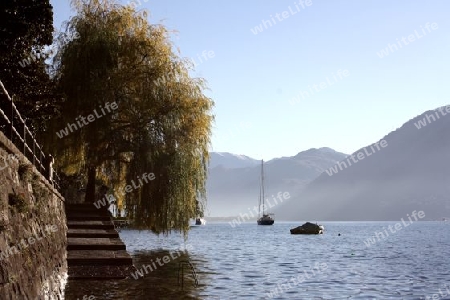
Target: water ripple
255, 262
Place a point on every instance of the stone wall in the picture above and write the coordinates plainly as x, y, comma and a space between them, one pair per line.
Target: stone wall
32, 230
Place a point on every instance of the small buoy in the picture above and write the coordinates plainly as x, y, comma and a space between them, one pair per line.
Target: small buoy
339, 234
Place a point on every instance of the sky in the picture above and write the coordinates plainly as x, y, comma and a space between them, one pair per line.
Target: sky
287, 76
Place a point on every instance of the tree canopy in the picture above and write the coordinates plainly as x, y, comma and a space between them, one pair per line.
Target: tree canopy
161, 124
26, 28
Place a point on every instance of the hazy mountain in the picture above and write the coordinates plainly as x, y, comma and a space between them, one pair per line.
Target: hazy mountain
232, 188
412, 172
230, 161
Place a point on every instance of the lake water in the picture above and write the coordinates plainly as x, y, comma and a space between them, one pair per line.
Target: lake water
265, 262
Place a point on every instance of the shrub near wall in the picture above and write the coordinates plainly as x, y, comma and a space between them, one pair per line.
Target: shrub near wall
32, 230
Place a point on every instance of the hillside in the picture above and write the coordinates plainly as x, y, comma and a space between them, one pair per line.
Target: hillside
233, 188
230, 160
412, 172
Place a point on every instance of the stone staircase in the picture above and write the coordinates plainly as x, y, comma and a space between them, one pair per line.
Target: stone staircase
94, 249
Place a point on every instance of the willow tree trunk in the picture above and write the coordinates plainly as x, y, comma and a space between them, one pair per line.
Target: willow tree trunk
90, 186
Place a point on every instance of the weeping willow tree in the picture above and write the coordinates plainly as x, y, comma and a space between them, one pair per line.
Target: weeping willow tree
161, 124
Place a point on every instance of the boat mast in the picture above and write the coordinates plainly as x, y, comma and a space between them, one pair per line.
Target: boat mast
260, 193
262, 185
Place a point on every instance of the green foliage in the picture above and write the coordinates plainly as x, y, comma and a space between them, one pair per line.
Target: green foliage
18, 201
162, 124
40, 192
26, 28
25, 172
12, 279
3, 217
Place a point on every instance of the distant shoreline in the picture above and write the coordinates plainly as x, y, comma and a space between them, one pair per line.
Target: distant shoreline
227, 219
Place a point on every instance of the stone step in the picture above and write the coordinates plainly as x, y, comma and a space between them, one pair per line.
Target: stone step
92, 233
95, 244
86, 211
98, 257
94, 249
87, 217
100, 272
90, 225
84, 207
78, 205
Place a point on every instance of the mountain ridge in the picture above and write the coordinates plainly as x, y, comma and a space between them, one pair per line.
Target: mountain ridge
409, 174
232, 189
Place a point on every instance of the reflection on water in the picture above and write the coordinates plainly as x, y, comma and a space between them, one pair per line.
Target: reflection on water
260, 262
157, 278
54, 284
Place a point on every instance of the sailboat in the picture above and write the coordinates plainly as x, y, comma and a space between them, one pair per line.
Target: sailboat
200, 221
266, 219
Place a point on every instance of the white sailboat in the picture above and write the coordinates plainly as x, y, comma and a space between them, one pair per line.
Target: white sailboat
266, 218
200, 221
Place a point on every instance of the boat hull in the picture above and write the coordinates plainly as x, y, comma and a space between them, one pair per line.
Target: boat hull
266, 222
200, 221
308, 228
293, 231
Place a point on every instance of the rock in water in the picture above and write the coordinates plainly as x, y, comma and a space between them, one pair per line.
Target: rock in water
307, 228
